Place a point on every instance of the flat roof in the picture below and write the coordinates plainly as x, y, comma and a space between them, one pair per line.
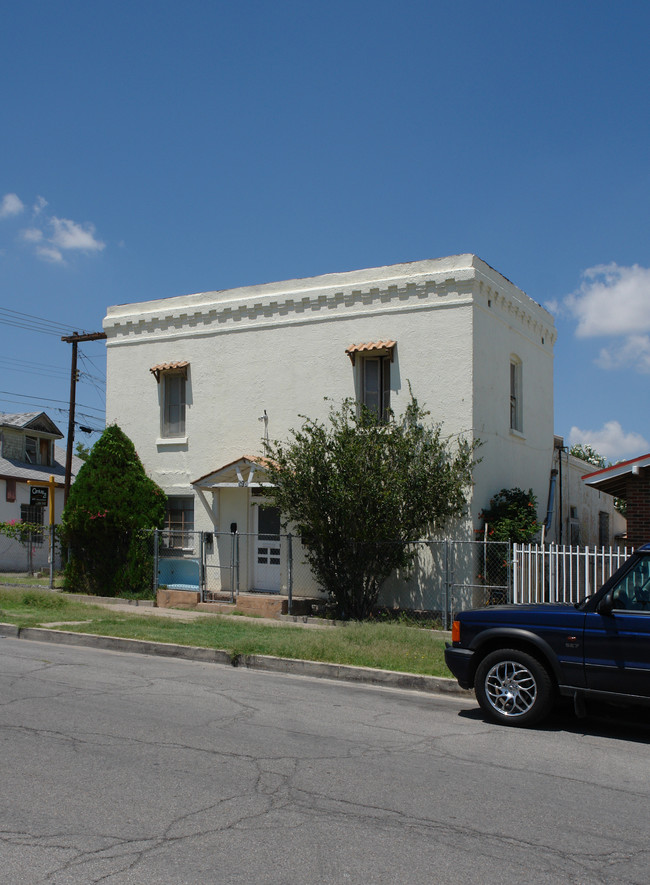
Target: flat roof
613, 480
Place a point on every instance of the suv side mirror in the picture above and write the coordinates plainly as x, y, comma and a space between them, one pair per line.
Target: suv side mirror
606, 604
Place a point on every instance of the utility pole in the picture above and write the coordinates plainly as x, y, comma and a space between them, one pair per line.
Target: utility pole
74, 340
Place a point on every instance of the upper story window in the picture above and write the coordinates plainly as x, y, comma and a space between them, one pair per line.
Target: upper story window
172, 378
372, 363
39, 450
516, 416
31, 450
173, 417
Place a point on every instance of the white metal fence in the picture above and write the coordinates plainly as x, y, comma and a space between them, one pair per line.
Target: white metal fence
560, 573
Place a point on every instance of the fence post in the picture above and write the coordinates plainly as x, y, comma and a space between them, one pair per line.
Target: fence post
290, 573
237, 563
232, 567
201, 568
156, 565
509, 573
445, 616
51, 557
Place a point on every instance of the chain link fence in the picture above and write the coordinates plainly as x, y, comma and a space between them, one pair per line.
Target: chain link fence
444, 576
36, 550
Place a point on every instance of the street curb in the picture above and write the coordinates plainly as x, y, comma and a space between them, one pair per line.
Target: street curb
317, 669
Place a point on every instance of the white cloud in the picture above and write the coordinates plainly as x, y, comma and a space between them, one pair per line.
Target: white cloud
611, 441
633, 352
32, 235
51, 254
51, 237
70, 235
11, 205
612, 300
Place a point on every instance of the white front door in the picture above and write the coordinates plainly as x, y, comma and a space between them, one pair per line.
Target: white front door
267, 550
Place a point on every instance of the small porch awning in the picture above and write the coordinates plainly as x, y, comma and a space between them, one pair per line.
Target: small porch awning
246, 472
180, 367
372, 348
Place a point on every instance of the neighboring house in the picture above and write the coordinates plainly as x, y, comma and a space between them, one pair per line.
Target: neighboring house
630, 481
197, 382
28, 453
579, 514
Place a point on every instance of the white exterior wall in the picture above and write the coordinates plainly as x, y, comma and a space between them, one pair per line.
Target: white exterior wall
14, 556
586, 503
280, 347
506, 326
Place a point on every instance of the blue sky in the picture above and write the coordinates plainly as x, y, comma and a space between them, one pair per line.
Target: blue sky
152, 149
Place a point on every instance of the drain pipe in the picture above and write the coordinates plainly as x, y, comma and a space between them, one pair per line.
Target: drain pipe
548, 522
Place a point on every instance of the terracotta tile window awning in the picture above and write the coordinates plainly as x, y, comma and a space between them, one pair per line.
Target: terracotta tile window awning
372, 348
179, 367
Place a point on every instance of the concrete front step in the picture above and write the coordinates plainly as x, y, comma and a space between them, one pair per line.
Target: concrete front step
264, 606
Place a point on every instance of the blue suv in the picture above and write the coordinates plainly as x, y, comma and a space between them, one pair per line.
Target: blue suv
519, 658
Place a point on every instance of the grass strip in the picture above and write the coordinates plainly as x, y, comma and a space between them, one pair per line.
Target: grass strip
386, 646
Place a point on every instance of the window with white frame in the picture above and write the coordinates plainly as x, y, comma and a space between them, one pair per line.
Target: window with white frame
33, 514
516, 420
179, 522
31, 450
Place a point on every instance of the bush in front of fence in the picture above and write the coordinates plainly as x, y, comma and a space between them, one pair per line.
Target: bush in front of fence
512, 518
352, 484
110, 504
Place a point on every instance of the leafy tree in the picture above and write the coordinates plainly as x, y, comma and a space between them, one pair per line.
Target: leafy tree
360, 491
591, 456
586, 453
82, 451
110, 503
512, 516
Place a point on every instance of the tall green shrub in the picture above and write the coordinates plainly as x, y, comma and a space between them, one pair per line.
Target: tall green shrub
361, 491
111, 503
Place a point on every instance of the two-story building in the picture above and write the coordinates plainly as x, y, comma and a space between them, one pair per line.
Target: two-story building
29, 456
198, 381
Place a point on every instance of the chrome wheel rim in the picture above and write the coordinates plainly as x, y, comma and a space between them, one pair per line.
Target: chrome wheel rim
510, 688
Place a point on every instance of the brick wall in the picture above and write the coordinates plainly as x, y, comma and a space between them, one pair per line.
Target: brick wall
638, 508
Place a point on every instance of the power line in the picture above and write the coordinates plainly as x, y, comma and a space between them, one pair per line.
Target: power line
87, 359
91, 419
24, 397
75, 340
24, 369
33, 323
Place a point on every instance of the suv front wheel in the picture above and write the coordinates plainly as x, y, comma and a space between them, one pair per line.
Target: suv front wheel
513, 688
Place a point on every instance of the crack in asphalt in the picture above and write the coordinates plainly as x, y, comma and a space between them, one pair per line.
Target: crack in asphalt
276, 793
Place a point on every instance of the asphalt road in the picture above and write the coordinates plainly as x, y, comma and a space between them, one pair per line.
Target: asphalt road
120, 768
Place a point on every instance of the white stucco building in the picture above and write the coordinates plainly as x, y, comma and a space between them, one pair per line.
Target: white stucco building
197, 380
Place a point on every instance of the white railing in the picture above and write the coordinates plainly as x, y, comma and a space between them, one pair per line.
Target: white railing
559, 573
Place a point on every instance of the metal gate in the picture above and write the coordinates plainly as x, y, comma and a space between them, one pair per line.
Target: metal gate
473, 573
